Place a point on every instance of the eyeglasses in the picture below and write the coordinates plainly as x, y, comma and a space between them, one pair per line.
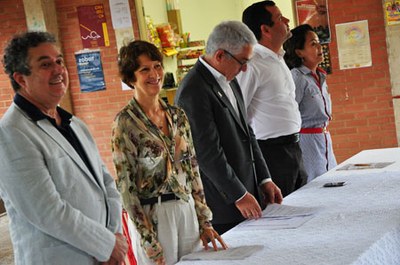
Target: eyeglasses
236, 59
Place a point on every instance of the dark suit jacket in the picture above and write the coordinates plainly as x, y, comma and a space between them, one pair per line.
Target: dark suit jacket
229, 157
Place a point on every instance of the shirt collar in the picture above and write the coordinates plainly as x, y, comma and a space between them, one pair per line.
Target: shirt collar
305, 70
35, 114
265, 52
217, 75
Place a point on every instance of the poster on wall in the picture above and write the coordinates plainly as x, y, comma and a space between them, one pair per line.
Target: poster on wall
122, 24
93, 26
120, 14
314, 13
326, 63
90, 70
354, 46
392, 11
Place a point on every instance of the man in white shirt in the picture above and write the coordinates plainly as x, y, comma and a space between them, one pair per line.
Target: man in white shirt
269, 95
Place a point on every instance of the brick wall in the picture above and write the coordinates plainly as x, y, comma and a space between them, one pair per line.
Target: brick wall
12, 20
362, 102
97, 109
361, 98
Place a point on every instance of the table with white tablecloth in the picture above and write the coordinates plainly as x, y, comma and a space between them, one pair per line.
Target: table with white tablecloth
358, 223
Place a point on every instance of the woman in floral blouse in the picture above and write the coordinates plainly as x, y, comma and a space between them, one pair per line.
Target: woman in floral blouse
155, 161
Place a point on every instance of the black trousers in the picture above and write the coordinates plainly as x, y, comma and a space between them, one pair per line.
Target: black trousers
222, 228
285, 163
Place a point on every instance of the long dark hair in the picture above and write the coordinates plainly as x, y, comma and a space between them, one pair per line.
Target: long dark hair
296, 42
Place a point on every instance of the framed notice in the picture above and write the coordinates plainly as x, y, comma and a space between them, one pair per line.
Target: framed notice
314, 13
354, 46
90, 70
93, 26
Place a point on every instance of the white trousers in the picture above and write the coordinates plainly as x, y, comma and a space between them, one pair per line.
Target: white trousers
178, 231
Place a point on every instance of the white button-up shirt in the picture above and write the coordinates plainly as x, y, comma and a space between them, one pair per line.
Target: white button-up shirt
223, 83
269, 94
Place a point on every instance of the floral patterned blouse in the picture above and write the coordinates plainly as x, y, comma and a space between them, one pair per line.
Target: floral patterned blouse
149, 163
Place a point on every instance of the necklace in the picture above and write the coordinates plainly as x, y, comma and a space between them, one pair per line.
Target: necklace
158, 119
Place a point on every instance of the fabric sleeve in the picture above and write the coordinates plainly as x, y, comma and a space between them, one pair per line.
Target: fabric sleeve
248, 83
204, 214
300, 84
210, 155
262, 171
114, 202
112, 194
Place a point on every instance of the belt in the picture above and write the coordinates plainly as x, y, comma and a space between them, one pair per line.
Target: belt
161, 198
286, 139
314, 130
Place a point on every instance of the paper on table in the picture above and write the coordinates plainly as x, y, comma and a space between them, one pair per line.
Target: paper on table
278, 216
237, 253
365, 166
279, 210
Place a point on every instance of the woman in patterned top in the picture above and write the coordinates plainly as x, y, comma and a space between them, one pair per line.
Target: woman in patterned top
303, 54
155, 161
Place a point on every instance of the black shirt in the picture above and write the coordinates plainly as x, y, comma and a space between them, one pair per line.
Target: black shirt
64, 128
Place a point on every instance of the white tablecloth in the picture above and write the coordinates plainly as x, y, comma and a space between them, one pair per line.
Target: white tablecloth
370, 156
358, 223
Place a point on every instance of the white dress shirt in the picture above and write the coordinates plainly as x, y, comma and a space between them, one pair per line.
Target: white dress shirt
223, 83
269, 94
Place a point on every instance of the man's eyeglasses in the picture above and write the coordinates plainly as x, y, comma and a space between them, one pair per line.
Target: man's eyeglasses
236, 59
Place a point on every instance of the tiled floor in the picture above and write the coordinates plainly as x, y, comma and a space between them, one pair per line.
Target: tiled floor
6, 252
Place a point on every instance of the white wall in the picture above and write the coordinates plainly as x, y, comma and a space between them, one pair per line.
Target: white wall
285, 6
156, 9
200, 16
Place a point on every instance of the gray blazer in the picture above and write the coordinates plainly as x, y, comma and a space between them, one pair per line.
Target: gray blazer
229, 157
59, 213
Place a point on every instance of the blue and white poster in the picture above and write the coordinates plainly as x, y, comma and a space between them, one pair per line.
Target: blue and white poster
90, 71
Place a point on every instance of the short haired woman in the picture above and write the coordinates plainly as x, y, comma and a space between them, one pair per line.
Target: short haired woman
155, 161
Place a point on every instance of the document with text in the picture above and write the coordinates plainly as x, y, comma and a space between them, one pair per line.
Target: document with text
280, 216
236, 253
359, 166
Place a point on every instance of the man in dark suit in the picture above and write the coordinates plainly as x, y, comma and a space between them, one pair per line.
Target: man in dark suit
231, 164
